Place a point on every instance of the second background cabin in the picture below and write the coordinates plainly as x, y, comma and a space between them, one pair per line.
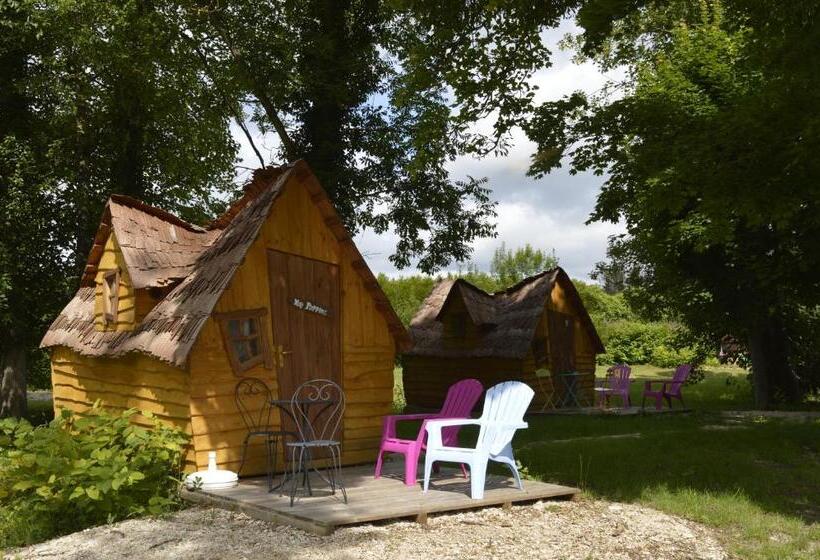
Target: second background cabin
461, 331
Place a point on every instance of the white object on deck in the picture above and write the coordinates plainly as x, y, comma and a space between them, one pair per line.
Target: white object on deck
213, 478
504, 408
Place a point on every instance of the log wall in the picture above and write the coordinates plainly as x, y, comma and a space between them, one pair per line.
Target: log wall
295, 226
133, 381
427, 378
584, 352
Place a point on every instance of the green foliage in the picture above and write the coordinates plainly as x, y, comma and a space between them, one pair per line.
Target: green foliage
379, 96
81, 471
406, 293
511, 266
661, 344
603, 307
90, 105
633, 342
710, 149
39, 370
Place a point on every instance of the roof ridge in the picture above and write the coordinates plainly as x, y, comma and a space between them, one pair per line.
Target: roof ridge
528, 280
164, 215
469, 284
260, 180
506, 291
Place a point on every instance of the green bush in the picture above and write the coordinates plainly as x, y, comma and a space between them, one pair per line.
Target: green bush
665, 345
633, 342
669, 357
80, 471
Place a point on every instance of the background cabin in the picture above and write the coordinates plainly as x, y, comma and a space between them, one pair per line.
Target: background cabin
169, 317
461, 331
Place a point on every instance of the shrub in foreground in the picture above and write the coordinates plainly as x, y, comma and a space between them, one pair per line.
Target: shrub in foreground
80, 471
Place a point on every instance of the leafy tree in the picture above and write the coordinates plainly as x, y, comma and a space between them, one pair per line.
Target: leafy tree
406, 293
711, 150
603, 306
613, 273
378, 96
90, 104
510, 266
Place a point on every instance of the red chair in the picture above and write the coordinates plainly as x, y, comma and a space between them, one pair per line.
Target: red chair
669, 388
460, 400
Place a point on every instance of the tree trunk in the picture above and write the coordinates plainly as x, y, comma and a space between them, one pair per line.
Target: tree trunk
772, 375
329, 61
127, 167
13, 383
760, 370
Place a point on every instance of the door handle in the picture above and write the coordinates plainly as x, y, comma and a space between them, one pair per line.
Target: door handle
280, 355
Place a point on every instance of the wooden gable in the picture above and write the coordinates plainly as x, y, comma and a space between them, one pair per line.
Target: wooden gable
111, 269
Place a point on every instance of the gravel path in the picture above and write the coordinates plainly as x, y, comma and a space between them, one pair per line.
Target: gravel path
566, 530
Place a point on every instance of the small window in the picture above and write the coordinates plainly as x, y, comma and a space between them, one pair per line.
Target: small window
111, 296
245, 339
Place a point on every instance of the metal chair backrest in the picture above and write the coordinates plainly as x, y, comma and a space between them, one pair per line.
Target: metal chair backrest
459, 403
681, 374
318, 406
619, 377
504, 406
253, 399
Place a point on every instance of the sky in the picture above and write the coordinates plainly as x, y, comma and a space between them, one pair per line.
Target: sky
548, 213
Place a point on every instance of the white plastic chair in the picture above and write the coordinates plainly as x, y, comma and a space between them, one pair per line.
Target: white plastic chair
504, 408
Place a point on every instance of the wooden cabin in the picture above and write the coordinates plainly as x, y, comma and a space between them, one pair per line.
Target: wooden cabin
539, 324
169, 317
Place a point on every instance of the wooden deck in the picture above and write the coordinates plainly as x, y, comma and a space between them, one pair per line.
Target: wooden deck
372, 499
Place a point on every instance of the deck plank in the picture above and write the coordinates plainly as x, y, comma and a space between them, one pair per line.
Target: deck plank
371, 499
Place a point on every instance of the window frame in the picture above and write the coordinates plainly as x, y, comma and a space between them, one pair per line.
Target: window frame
110, 296
265, 355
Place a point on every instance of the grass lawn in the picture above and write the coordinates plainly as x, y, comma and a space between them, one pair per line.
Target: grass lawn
756, 480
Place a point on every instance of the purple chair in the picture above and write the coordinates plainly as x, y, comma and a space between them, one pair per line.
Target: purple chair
616, 384
669, 388
461, 398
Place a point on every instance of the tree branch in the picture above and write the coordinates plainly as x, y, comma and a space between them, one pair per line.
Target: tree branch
255, 86
241, 122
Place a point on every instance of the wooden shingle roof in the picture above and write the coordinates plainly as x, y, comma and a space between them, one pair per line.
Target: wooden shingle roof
510, 316
169, 331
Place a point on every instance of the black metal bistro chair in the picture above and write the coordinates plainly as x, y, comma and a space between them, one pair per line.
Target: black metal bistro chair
253, 399
318, 407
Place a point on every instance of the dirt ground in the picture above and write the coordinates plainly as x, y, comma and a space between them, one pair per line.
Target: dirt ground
568, 530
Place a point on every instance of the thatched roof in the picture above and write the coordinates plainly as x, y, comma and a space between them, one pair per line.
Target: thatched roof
508, 319
170, 329
481, 307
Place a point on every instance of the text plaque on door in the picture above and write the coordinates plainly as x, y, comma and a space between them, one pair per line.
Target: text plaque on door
310, 306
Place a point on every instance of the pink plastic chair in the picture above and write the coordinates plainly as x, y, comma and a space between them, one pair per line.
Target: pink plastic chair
669, 389
617, 384
461, 398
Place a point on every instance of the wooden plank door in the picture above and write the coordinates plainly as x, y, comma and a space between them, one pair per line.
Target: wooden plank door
562, 341
305, 311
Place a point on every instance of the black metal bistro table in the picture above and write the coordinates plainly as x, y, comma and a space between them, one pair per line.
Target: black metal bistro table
284, 408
